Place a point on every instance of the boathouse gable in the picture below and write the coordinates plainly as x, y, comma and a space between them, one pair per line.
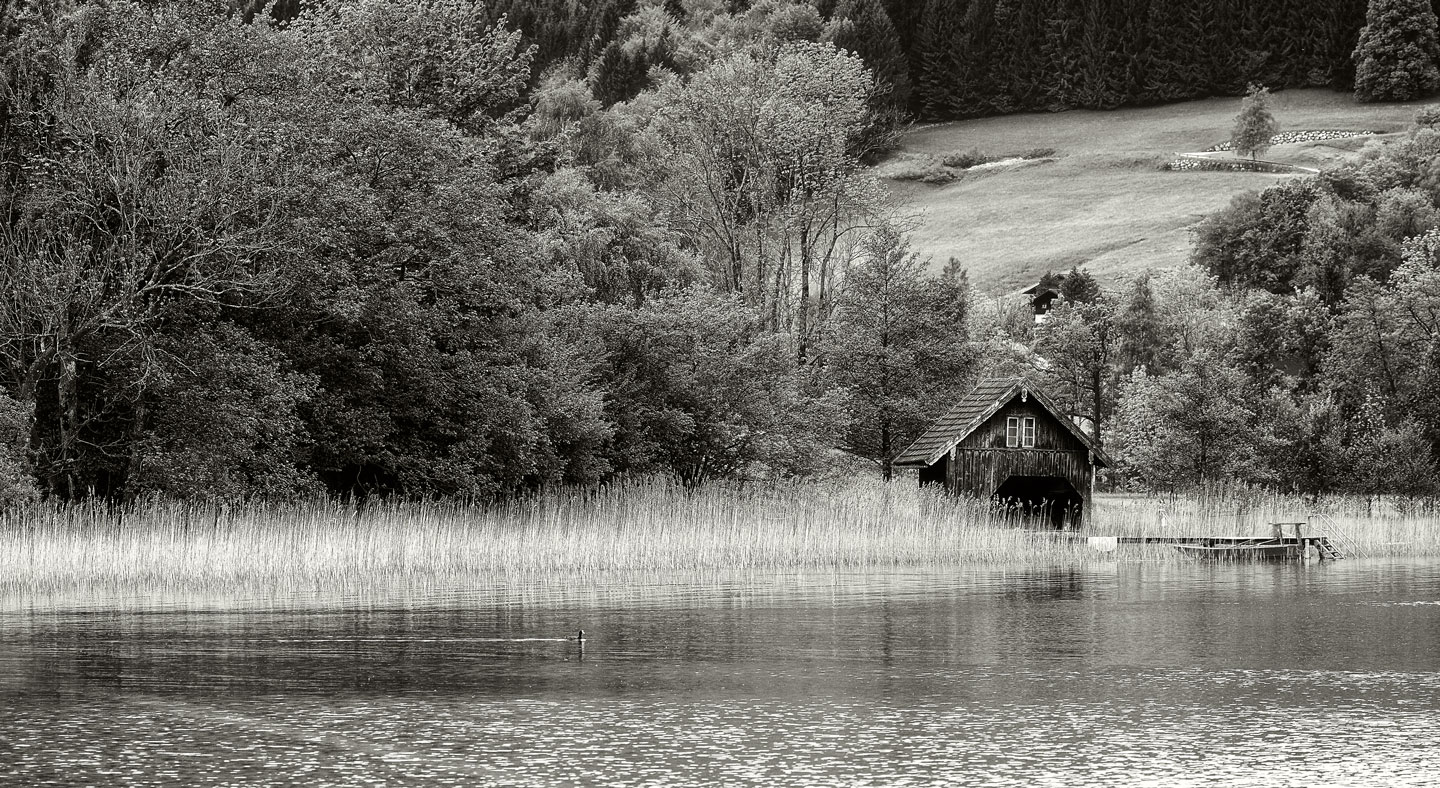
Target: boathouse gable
1049, 434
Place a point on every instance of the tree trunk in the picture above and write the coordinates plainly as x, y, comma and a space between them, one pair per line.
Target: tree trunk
737, 265
137, 431
63, 480
1096, 382
1375, 319
802, 328
887, 457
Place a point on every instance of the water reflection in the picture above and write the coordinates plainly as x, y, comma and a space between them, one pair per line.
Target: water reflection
1118, 674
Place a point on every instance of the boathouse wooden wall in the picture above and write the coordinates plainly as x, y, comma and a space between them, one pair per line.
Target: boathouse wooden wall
980, 472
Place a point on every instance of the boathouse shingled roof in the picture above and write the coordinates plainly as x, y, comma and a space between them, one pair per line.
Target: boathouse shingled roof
974, 409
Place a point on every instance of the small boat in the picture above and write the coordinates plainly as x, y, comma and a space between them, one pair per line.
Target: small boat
1263, 551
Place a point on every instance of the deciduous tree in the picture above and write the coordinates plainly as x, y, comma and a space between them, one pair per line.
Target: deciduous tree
1194, 426
765, 177
690, 391
1259, 239
140, 192
1386, 453
1254, 126
1077, 343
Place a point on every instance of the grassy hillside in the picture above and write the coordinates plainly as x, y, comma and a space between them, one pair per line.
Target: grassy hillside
1101, 200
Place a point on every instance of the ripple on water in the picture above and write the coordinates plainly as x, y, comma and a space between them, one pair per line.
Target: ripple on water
417, 741
1177, 675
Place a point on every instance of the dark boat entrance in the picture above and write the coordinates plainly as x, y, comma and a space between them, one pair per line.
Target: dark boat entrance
1049, 499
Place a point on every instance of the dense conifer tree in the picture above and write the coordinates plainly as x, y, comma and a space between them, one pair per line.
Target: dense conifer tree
1341, 32
1102, 56
1016, 64
864, 27
1395, 57
1059, 53
906, 15
1228, 54
898, 349
618, 73
604, 24
963, 58
1140, 342
974, 90
554, 27
1170, 68
938, 47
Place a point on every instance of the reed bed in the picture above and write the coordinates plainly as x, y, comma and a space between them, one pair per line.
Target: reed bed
646, 526
640, 526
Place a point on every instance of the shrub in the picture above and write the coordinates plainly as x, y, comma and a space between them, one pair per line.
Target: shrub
926, 170
1428, 116
966, 160
17, 485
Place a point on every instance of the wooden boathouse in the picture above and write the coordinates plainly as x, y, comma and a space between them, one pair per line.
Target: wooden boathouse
1007, 441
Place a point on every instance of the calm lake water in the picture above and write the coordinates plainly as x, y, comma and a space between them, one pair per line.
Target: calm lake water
1118, 674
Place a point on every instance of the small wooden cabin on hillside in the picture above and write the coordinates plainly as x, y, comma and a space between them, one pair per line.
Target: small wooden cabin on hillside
1007, 441
1041, 297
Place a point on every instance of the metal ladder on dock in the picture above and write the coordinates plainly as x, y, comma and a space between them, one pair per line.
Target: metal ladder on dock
1333, 538
1327, 548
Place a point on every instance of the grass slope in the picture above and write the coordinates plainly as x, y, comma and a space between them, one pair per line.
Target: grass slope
1103, 202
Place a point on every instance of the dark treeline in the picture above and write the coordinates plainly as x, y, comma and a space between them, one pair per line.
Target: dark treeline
964, 58
941, 59
979, 57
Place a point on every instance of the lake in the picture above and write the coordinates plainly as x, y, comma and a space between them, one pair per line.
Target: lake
1168, 674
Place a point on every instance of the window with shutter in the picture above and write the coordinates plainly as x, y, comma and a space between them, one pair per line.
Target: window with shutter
1012, 432
1027, 433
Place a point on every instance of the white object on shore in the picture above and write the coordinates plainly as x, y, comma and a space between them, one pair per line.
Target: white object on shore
1103, 544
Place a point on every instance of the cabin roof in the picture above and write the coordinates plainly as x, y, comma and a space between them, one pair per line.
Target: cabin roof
976, 408
1040, 288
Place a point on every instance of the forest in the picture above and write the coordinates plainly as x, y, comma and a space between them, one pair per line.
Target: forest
354, 254
942, 59
945, 59
458, 250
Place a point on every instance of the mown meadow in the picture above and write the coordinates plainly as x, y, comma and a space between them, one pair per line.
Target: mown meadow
1103, 199
647, 526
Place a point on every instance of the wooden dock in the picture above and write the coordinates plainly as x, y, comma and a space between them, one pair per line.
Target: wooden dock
1324, 547
1290, 538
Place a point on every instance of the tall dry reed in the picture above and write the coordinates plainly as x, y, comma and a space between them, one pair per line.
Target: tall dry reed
648, 526
637, 526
